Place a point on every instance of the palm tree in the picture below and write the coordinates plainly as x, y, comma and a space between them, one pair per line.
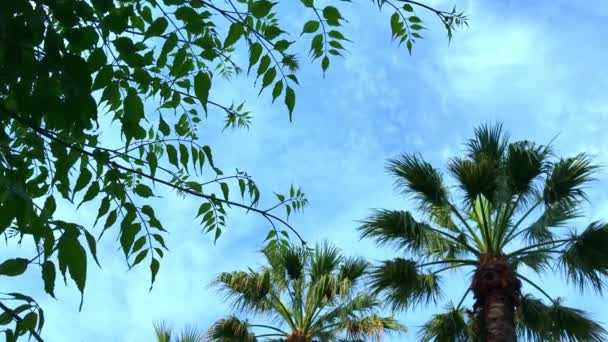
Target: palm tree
516, 198
165, 334
310, 294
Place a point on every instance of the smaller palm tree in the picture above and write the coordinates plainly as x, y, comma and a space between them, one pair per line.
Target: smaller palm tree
164, 333
309, 294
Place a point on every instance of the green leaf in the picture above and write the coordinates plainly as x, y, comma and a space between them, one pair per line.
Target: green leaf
92, 246
157, 28
163, 127
408, 8
325, 63
264, 63
133, 114
205, 207
260, 8
48, 276
225, 190
111, 219
414, 19
202, 85
336, 35
290, 100
311, 26
183, 154
103, 208
331, 14
154, 266
276, 90
139, 243
127, 236
152, 162
140, 257
268, 78
72, 257
83, 180
242, 187
143, 190
234, 34
13, 267
172, 154
255, 50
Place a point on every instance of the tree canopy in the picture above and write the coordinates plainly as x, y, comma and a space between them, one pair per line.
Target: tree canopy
73, 72
509, 210
310, 295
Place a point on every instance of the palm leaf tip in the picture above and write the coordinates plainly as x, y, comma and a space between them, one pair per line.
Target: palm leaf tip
448, 326
540, 322
230, 329
489, 143
373, 326
585, 258
567, 178
402, 284
418, 178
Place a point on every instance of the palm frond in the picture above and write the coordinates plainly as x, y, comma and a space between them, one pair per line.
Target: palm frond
476, 178
294, 260
538, 261
362, 303
249, 290
191, 334
401, 229
554, 216
585, 259
371, 327
402, 285
489, 143
525, 161
325, 260
420, 180
163, 332
566, 179
448, 326
353, 269
230, 329
539, 322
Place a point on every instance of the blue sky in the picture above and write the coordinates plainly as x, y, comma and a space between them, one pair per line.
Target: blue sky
540, 69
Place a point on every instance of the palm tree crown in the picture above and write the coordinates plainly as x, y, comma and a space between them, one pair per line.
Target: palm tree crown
516, 199
311, 294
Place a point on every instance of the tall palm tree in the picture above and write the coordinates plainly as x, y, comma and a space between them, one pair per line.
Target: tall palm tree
515, 201
309, 294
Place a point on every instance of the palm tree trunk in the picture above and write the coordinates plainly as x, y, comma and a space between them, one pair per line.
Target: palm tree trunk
499, 318
497, 293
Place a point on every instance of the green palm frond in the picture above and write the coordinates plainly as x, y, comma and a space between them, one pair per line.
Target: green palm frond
554, 216
538, 261
419, 179
230, 329
293, 262
476, 178
489, 143
402, 285
249, 290
163, 332
399, 228
325, 260
567, 178
540, 322
525, 162
585, 258
448, 326
371, 327
191, 334
360, 304
353, 269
